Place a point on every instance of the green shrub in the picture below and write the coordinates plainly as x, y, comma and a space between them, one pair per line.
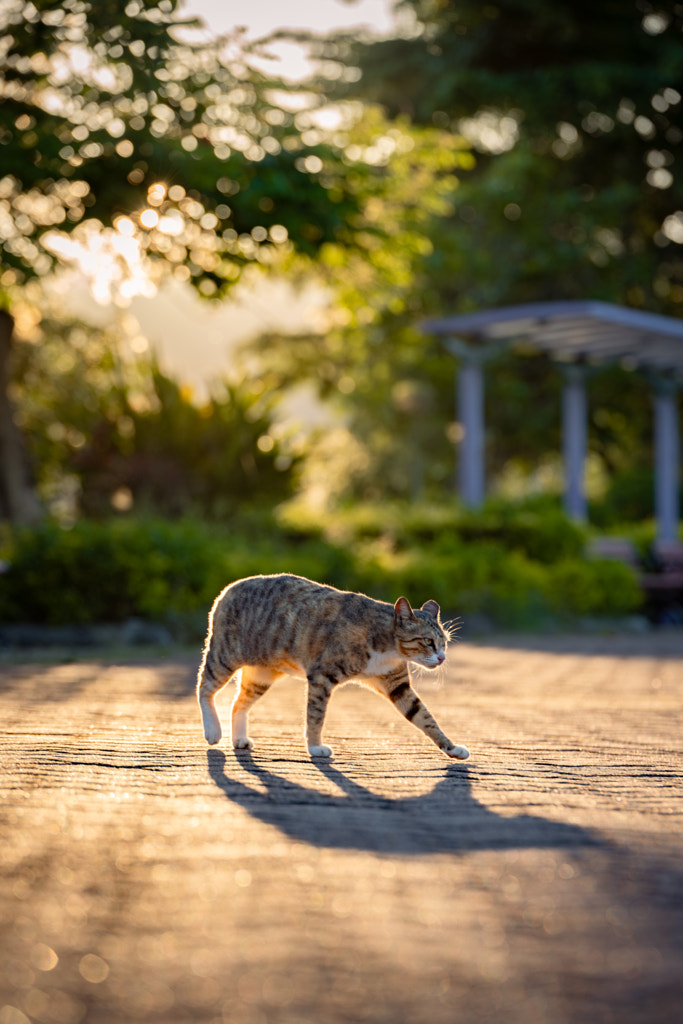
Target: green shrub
166, 570
629, 498
599, 587
111, 571
537, 528
106, 572
464, 579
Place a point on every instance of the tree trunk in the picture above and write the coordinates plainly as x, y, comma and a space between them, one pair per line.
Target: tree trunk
18, 501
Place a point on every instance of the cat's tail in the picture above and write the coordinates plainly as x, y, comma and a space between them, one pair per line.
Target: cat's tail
215, 672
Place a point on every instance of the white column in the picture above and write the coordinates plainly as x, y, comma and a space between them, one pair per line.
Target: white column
574, 440
667, 453
470, 388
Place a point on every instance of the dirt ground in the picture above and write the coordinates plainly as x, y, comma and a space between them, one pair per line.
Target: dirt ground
148, 879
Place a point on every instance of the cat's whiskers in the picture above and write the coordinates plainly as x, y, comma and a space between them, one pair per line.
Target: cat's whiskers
435, 675
451, 628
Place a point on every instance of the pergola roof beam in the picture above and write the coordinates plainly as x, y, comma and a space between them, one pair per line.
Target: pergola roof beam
510, 321
590, 331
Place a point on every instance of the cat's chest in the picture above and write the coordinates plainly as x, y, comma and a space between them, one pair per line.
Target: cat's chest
380, 663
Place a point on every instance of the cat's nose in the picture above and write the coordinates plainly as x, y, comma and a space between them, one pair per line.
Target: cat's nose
440, 658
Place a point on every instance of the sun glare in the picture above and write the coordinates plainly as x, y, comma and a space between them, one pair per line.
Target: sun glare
156, 194
111, 260
149, 218
125, 226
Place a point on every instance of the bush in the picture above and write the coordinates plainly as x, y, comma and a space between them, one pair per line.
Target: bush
106, 572
628, 499
475, 578
154, 569
103, 431
599, 587
538, 528
510, 588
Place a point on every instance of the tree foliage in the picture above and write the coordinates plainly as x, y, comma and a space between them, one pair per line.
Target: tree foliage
576, 110
110, 434
137, 153
108, 119
487, 154
574, 115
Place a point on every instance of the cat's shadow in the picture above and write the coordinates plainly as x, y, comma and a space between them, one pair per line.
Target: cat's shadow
447, 819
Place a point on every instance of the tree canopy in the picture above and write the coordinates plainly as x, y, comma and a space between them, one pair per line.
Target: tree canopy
574, 117
486, 154
126, 145
575, 108
108, 119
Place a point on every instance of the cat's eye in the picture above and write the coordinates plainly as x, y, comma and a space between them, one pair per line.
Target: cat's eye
430, 643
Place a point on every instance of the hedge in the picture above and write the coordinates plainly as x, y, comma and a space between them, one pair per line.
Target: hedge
107, 572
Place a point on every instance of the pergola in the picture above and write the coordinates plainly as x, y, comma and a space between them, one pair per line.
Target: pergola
577, 334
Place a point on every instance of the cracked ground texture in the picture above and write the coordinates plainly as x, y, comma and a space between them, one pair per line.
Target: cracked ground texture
148, 879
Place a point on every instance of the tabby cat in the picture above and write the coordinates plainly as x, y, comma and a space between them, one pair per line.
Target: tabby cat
271, 626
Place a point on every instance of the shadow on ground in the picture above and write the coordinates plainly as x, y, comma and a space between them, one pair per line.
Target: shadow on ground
446, 820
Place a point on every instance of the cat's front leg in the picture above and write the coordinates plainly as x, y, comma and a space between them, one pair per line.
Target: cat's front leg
320, 688
457, 753
405, 700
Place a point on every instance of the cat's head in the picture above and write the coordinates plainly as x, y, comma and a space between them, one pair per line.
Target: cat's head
419, 634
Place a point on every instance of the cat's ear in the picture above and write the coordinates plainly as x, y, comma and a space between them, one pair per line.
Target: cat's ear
432, 608
403, 610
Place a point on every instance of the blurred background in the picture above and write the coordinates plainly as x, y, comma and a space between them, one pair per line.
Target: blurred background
220, 233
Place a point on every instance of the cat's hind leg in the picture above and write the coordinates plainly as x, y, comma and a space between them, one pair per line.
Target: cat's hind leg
215, 672
255, 681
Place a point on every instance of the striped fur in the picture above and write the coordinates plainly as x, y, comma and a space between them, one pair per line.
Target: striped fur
271, 626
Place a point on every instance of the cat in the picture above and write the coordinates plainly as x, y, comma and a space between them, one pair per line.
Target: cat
271, 626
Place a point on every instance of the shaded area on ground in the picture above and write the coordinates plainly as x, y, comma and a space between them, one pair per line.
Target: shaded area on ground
447, 819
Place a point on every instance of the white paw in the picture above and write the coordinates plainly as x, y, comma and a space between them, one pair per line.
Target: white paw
321, 751
213, 734
243, 744
460, 753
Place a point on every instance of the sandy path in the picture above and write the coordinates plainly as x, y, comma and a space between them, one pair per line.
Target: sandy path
145, 879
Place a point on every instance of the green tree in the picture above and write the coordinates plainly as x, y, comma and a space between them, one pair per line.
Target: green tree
576, 110
170, 156
105, 114
392, 387
574, 113
116, 434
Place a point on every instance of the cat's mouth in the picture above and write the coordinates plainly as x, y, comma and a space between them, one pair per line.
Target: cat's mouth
435, 661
